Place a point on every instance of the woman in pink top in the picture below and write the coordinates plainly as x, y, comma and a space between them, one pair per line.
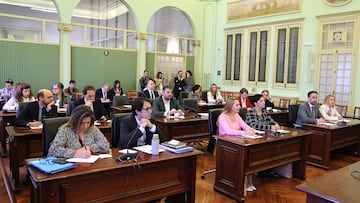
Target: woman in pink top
230, 123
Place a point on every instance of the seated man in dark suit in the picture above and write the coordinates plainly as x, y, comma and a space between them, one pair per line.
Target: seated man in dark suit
149, 91
166, 104
102, 93
34, 112
309, 112
138, 128
92, 102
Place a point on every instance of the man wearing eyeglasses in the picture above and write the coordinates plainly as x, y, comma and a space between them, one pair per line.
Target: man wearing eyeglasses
33, 113
138, 128
7, 91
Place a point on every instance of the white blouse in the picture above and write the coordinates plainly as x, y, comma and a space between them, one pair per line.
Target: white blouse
329, 113
12, 104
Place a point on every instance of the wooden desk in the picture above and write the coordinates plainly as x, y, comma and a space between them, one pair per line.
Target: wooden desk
328, 138
109, 181
26, 143
281, 116
6, 119
186, 129
337, 186
237, 157
204, 107
121, 109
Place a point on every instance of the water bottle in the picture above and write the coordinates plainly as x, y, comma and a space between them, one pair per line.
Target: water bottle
155, 145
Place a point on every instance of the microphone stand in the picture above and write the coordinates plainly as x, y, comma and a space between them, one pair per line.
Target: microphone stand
128, 156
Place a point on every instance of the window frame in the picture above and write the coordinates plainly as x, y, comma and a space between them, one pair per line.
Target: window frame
285, 84
256, 82
233, 50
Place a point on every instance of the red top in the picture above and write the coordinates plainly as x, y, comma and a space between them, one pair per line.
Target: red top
248, 103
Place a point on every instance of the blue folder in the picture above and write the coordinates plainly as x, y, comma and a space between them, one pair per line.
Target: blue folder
51, 168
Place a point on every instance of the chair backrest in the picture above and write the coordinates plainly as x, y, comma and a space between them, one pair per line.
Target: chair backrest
191, 104
284, 103
341, 109
242, 113
182, 96
50, 128
356, 112
293, 110
204, 95
69, 108
21, 106
132, 95
120, 100
115, 128
212, 121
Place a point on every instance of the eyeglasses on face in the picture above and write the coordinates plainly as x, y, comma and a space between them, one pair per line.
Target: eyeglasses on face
147, 109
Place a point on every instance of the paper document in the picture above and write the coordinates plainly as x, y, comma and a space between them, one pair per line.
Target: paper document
103, 156
146, 149
91, 159
128, 151
252, 136
281, 131
259, 132
37, 127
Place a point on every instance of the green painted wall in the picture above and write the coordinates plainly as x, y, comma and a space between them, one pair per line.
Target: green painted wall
150, 64
36, 64
190, 64
91, 66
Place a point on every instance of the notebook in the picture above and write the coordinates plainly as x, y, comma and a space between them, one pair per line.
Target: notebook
50, 167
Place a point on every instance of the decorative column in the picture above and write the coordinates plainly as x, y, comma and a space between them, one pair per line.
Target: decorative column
65, 30
141, 58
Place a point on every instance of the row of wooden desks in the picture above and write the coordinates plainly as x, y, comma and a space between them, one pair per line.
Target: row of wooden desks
26, 143
237, 157
106, 180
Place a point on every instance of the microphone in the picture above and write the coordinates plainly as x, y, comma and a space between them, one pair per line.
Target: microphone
128, 156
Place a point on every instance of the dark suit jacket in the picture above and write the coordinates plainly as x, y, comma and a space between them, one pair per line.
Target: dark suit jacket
305, 115
111, 93
146, 94
179, 86
129, 131
159, 106
30, 113
99, 109
269, 104
99, 94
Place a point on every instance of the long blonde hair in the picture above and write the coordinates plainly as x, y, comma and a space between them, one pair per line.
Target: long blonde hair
228, 105
327, 99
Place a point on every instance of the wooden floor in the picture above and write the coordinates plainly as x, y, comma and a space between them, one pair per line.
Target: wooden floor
269, 189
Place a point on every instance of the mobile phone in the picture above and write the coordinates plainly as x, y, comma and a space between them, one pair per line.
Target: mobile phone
60, 161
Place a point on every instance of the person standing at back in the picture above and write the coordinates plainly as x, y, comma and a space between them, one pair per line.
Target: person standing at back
189, 81
143, 79
179, 84
308, 112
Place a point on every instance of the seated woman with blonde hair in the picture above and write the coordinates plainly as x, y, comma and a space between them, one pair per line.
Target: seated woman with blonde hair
328, 110
230, 123
79, 137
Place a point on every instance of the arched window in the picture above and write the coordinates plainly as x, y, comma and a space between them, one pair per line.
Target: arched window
104, 23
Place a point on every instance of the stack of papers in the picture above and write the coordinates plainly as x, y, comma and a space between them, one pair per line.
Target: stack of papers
252, 136
146, 149
281, 131
37, 127
177, 151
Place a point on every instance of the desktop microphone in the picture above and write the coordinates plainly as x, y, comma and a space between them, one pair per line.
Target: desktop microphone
128, 156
